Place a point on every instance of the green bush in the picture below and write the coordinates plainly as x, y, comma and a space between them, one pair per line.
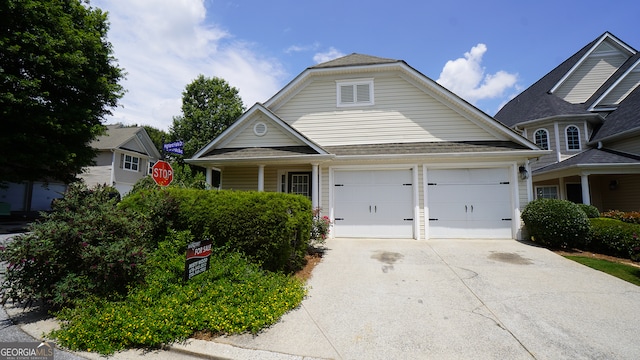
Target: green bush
616, 238
270, 228
232, 297
556, 223
156, 205
84, 246
632, 217
591, 211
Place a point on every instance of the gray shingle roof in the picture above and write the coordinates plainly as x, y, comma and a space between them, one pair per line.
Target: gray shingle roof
624, 118
115, 136
354, 60
536, 102
593, 157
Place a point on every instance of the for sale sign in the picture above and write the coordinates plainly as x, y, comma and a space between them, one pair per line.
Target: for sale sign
198, 254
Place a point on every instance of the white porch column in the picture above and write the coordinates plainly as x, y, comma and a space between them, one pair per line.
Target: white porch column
314, 187
584, 181
562, 190
209, 176
260, 177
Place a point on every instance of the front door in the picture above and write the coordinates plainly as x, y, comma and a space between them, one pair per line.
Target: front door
574, 193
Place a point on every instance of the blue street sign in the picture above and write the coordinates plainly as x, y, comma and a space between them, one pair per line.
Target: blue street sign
176, 144
175, 150
174, 147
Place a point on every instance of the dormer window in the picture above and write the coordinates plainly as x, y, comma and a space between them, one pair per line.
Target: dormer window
355, 92
541, 137
572, 134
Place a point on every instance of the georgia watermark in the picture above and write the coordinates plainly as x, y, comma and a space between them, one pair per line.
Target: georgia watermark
26, 350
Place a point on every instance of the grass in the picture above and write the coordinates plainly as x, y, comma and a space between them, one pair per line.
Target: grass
622, 271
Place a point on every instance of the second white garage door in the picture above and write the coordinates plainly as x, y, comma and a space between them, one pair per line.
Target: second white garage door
469, 203
373, 203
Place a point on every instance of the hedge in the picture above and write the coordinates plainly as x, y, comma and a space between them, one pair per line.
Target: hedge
270, 228
616, 238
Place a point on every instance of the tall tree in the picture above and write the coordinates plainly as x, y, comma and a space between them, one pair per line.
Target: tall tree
58, 79
209, 106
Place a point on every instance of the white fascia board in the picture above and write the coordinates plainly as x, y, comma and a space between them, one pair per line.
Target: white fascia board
613, 86
477, 116
585, 56
231, 131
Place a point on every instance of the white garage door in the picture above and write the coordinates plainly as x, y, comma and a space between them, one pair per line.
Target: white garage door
373, 203
469, 203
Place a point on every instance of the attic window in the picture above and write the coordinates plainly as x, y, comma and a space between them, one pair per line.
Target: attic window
260, 128
355, 92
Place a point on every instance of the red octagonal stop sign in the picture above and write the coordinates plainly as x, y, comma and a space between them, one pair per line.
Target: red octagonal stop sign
162, 173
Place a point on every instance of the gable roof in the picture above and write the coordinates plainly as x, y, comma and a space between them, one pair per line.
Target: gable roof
354, 59
626, 118
306, 146
538, 101
118, 135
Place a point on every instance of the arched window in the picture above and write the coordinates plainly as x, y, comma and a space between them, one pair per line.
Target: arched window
541, 137
572, 134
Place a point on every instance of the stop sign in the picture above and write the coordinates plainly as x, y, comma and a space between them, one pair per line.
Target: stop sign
162, 173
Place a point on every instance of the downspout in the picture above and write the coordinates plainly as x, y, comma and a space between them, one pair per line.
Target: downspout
113, 167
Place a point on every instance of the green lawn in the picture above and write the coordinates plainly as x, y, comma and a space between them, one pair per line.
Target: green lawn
625, 272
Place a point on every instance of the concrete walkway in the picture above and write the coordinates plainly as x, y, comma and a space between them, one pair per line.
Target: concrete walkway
456, 299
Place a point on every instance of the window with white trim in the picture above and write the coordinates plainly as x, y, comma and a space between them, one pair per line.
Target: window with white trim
572, 134
150, 167
129, 162
546, 192
355, 92
541, 138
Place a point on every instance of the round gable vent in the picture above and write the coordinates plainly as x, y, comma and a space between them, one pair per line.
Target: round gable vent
260, 128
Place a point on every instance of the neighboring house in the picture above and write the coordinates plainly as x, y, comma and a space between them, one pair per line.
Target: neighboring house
125, 155
382, 150
587, 112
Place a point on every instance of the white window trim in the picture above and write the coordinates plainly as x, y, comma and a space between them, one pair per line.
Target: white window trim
546, 186
354, 83
548, 138
124, 162
566, 138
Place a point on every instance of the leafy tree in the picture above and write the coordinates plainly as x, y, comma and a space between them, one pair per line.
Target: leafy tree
209, 106
58, 79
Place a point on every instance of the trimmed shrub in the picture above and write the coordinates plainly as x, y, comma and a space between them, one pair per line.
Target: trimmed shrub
632, 217
270, 228
556, 223
84, 246
616, 238
591, 211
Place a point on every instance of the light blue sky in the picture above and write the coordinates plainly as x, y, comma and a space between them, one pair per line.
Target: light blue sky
485, 51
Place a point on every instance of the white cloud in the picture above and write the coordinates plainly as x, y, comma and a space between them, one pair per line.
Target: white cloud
163, 45
328, 55
466, 77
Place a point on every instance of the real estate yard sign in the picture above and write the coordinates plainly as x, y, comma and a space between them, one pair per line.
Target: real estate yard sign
198, 254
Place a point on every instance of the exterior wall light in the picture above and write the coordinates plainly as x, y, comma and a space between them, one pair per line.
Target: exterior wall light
613, 185
524, 174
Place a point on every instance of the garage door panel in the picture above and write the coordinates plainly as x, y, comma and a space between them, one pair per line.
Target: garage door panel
373, 203
476, 204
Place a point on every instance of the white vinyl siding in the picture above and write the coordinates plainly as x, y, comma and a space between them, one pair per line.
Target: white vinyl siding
622, 89
591, 74
273, 137
355, 92
402, 113
629, 145
572, 138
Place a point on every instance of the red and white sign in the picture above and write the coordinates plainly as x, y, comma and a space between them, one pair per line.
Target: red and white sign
162, 173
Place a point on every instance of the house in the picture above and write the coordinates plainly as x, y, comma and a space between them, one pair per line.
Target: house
125, 155
382, 150
587, 112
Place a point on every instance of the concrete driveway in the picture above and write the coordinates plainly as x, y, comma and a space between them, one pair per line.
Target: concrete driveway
455, 299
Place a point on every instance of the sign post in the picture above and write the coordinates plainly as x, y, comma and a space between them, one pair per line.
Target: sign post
162, 173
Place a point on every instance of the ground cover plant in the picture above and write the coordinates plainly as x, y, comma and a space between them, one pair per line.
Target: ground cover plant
234, 296
622, 271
